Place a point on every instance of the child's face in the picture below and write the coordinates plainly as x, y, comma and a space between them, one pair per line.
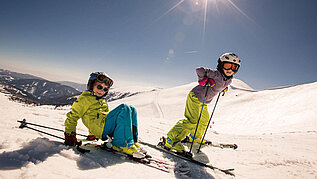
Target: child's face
99, 89
228, 72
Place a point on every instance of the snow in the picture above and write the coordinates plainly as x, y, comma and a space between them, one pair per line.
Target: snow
275, 130
32, 90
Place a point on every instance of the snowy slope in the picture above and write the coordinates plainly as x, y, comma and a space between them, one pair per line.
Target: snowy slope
274, 129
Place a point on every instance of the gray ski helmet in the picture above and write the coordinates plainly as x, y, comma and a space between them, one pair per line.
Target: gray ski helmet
230, 58
101, 77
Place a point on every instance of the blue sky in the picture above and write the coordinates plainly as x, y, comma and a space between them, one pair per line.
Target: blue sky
160, 42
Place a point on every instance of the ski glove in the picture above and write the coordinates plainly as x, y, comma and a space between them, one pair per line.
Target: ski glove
70, 139
207, 82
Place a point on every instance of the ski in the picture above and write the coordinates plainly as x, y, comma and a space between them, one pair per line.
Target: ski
160, 147
148, 160
209, 143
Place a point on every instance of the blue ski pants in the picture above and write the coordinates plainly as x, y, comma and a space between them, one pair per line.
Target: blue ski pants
121, 124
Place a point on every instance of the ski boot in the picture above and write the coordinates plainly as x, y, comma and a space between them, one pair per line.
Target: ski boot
197, 140
141, 149
177, 146
130, 150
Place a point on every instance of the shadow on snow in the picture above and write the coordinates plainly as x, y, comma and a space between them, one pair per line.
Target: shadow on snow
196, 171
39, 149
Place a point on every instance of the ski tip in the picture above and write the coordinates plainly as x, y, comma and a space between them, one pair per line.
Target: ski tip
228, 171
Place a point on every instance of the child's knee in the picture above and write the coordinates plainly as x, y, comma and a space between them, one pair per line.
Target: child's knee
123, 105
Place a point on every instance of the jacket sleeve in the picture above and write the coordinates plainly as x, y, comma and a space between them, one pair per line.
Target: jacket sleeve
78, 110
204, 72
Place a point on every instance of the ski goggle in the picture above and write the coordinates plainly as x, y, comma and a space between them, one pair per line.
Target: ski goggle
233, 67
104, 79
101, 87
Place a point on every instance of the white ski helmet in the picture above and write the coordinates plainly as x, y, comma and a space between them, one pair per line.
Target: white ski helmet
230, 58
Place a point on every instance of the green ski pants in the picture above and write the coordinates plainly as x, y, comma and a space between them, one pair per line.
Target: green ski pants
188, 125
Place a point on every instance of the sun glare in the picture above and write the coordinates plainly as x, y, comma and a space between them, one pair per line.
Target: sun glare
196, 3
203, 6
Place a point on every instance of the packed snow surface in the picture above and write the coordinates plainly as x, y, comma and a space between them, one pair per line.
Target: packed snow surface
275, 130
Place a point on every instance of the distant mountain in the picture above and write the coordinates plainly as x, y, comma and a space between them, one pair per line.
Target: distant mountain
32, 89
9, 75
77, 86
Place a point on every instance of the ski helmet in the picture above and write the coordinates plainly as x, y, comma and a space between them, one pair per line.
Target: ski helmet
101, 77
230, 58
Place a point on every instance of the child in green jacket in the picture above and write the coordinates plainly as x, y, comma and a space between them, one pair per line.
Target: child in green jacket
92, 108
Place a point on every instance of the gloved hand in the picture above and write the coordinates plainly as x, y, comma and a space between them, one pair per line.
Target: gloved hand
70, 139
92, 137
207, 82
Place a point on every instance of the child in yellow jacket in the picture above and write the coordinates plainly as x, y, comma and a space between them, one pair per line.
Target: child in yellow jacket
92, 108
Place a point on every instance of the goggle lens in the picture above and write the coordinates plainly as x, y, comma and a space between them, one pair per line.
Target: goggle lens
228, 66
104, 79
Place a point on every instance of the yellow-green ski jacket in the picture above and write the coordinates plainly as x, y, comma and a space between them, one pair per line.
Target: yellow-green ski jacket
93, 112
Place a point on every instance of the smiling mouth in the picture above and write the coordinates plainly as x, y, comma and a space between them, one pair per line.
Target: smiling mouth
99, 94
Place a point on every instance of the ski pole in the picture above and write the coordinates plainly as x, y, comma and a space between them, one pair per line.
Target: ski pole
199, 118
24, 121
198, 150
78, 144
23, 125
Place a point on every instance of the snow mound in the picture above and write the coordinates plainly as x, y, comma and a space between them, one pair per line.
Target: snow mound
291, 109
238, 84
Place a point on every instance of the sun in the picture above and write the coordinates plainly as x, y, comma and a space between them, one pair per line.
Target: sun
204, 6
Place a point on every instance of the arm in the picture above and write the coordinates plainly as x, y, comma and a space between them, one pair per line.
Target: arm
78, 110
205, 76
201, 73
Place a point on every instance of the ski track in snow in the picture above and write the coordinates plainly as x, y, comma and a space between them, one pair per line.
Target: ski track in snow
157, 104
286, 151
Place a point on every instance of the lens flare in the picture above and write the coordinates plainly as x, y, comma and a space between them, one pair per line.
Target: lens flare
243, 13
169, 10
191, 7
